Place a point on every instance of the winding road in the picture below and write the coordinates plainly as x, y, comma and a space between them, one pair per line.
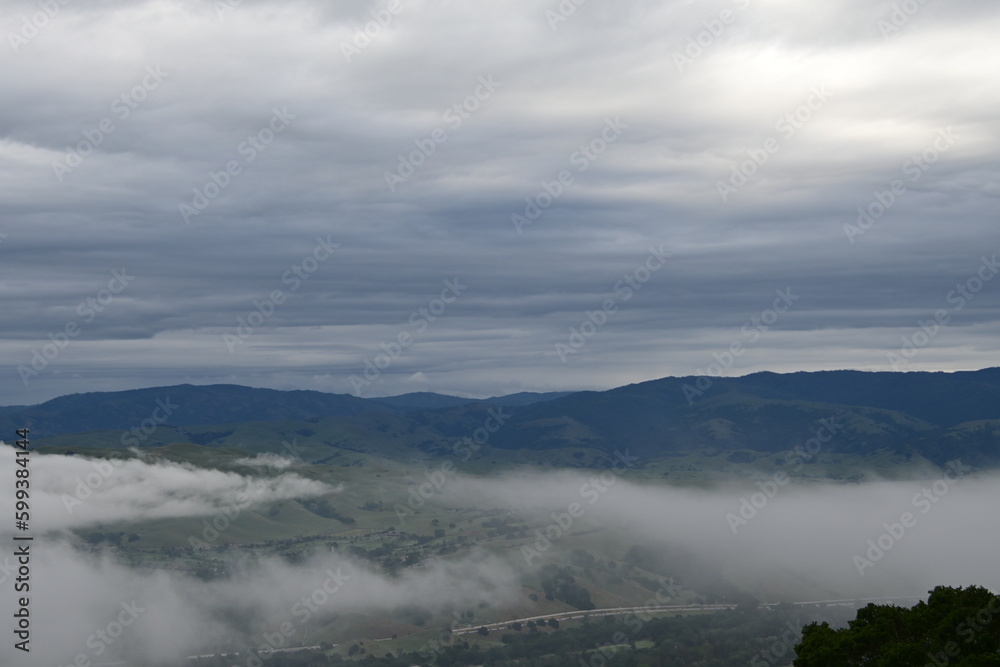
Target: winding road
651, 609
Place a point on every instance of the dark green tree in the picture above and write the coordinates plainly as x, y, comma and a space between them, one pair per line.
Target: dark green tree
956, 627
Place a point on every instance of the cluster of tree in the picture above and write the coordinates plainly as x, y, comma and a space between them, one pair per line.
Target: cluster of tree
531, 625
559, 584
118, 538
675, 562
413, 614
504, 527
323, 508
957, 627
582, 558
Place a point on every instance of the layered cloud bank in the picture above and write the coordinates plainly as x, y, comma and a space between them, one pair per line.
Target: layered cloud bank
860, 142
776, 539
71, 492
83, 605
90, 605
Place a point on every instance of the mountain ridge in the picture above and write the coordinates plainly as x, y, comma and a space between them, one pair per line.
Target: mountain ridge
218, 404
940, 416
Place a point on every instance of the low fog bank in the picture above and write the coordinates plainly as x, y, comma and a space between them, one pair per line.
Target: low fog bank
777, 540
89, 605
72, 492
780, 541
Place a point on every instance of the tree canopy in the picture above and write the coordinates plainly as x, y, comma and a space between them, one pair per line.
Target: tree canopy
955, 626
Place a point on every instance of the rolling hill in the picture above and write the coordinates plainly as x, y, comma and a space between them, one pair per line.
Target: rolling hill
190, 405
939, 416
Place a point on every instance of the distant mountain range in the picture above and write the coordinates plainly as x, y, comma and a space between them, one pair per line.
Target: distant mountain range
940, 416
432, 401
219, 404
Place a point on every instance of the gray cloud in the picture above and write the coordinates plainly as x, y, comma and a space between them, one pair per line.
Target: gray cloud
798, 540
77, 492
324, 176
169, 616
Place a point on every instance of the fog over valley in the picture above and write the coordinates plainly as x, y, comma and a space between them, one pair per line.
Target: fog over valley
534, 333
769, 541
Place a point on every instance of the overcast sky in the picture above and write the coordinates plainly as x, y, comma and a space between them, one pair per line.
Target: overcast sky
119, 117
